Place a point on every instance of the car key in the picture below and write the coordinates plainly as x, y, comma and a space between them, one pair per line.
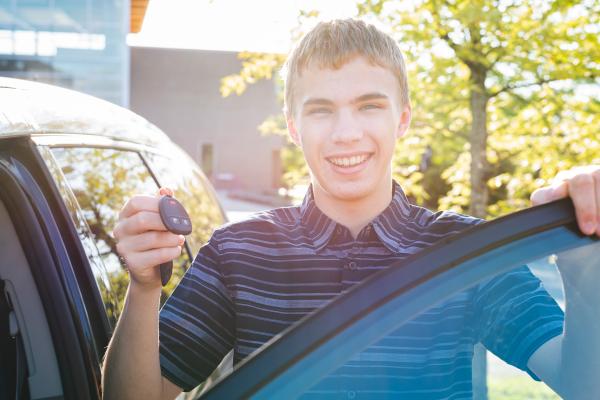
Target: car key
177, 221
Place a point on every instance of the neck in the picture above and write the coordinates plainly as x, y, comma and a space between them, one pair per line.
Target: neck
354, 213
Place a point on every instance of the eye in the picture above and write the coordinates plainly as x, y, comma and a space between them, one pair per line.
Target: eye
371, 106
319, 110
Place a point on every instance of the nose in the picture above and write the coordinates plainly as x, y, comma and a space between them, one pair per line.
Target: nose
346, 127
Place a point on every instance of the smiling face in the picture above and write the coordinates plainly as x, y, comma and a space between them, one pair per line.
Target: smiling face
347, 121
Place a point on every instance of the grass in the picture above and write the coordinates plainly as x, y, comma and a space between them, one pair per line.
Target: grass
519, 388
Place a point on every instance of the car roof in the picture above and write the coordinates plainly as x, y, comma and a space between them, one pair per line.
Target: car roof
28, 107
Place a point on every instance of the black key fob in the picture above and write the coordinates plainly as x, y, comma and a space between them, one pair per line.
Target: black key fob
177, 221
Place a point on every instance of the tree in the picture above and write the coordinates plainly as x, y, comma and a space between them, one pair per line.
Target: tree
499, 61
497, 96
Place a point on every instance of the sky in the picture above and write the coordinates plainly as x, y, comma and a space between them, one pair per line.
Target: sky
231, 25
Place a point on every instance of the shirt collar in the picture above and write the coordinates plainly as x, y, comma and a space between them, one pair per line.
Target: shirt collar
319, 227
387, 225
390, 222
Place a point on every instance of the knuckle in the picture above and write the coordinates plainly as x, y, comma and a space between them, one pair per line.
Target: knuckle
166, 253
177, 250
119, 247
156, 237
173, 239
582, 181
122, 210
586, 216
142, 220
117, 232
134, 204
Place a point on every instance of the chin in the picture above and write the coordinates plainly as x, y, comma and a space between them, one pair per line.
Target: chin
348, 191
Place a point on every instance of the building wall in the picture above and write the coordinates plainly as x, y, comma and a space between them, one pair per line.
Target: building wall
79, 45
178, 90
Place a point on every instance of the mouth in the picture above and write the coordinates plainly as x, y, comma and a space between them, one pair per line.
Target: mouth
349, 161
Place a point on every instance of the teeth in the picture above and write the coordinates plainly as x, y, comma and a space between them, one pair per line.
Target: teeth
349, 161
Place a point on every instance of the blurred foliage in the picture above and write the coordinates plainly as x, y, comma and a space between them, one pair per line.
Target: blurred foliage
102, 180
539, 73
255, 66
189, 186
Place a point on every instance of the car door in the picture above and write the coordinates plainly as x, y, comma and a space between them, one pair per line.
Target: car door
49, 348
301, 360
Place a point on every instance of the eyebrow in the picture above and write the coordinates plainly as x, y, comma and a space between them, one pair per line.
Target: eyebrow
316, 101
370, 96
364, 97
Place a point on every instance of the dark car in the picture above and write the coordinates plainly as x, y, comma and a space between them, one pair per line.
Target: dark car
68, 162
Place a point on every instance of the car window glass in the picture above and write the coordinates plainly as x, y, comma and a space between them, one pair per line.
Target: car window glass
101, 275
192, 190
502, 379
437, 346
513, 314
102, 180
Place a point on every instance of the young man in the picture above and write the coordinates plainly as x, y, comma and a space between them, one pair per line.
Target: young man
346, 105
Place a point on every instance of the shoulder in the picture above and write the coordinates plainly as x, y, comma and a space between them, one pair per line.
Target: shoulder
267, 225
446, 222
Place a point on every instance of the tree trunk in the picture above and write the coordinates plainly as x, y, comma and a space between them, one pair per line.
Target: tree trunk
479, 195
478, 140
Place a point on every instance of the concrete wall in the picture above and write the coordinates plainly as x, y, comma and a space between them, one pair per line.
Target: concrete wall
178, 91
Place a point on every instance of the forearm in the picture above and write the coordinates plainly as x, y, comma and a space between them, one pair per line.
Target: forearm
132, 367
570, 363
580, 350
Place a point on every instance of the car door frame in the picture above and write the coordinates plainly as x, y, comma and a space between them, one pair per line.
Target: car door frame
37, 222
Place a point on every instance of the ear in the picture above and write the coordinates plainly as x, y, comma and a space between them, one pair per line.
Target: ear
291, 126
404, 123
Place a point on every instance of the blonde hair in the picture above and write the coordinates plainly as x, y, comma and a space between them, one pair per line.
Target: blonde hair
334, 43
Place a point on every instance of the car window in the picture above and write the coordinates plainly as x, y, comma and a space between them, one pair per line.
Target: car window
506, 381
102, 180
433, 350
101, 275
382, 338
192, 189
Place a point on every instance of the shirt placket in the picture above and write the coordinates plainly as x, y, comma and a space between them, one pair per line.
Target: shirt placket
350, 266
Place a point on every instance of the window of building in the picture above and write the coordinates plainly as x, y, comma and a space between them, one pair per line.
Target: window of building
207, 159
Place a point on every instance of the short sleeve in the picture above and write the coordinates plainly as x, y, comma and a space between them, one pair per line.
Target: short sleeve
196, 325
515, 315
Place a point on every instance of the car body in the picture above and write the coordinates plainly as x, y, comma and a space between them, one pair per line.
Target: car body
68, 162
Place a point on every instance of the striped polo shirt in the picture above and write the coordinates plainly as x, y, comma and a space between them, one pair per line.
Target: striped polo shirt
255, 278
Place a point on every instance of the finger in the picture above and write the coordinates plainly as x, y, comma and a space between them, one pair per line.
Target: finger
139, 203
165, 191
583, 194
550, 193
148, 241
152, 258
141, 222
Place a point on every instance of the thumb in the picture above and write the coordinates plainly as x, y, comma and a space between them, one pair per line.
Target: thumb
550, 193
